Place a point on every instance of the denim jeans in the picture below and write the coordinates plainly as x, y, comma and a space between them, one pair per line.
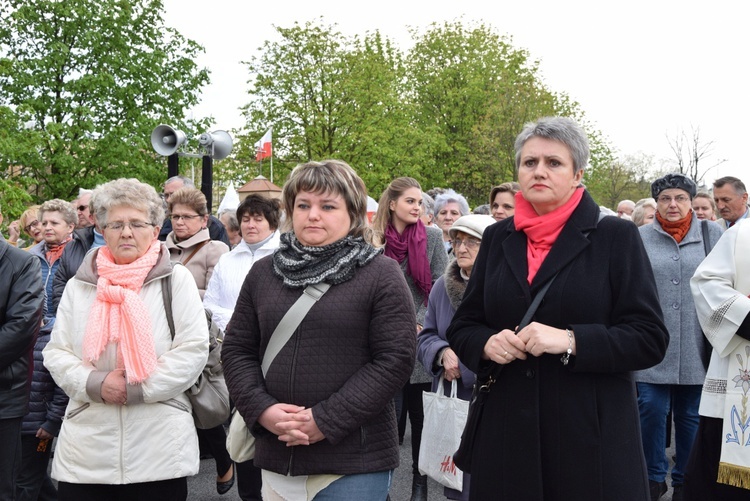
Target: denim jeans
361, 487
654, 403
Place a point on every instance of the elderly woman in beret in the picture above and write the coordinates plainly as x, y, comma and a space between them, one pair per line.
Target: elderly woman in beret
674, 243
128, 431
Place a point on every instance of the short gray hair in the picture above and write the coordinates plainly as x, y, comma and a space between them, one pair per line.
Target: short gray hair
127, 193
232, 222
428, 205
562, 129
186, 181
65, 208
450, 196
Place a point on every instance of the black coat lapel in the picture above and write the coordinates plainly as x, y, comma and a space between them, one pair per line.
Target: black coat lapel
514, 250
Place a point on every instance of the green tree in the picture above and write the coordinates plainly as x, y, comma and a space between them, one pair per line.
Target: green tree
615, 179
90, 80
331, 96
13, 186
477, 90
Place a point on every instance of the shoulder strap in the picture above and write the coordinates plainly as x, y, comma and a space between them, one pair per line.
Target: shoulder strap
166, 295
197, 248
706, 240
291, 321
535, 303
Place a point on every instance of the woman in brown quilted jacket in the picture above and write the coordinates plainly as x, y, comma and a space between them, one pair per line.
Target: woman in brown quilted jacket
323, 417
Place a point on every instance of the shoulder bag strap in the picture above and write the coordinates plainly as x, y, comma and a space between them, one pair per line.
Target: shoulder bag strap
535, 303
166, 295
706, 240
540, 295
291, 321
197, 248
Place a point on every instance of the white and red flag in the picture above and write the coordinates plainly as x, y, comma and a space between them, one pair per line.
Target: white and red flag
263, 147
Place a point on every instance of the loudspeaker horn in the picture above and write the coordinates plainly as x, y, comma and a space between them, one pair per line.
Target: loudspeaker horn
217, 143
165, 140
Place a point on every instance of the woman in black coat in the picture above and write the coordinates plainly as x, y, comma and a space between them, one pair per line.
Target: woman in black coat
561, 421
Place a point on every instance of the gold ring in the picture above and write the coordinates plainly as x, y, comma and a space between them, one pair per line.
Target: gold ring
505, 355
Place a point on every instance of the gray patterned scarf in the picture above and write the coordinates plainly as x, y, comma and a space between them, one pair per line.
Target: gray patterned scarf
299, 266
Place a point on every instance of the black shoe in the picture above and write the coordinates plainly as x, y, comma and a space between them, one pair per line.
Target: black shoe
419, 488
657, 489
677, 493
223, 487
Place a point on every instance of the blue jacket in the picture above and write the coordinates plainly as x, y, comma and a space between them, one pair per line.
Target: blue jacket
48, 275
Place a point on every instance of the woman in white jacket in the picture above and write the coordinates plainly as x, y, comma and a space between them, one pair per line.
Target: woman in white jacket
259, 219
719, 466
128, 431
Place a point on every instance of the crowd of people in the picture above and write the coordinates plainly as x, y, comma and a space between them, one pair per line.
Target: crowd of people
592, 332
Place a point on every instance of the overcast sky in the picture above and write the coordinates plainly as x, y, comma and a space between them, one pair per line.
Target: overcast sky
641, 70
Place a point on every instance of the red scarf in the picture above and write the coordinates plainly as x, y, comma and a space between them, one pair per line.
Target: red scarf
677, 229
53, 252
542, 231
412, 243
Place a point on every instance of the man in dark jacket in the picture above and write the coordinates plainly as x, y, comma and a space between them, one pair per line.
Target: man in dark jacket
21, 298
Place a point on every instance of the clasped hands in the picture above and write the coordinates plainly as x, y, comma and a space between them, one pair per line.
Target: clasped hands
293, 424
534, 339
114, 388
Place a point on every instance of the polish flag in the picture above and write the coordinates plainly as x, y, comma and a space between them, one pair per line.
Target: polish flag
263, 147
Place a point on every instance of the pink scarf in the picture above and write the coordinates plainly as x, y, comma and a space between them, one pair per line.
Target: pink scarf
412, 243
120, 316
542, 231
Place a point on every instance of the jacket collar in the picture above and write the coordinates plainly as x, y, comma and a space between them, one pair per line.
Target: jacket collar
199, 237
88, 273
455, 285
273, 243
570, 243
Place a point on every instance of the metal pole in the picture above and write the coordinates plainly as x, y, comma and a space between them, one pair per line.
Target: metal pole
173, 165
207, 180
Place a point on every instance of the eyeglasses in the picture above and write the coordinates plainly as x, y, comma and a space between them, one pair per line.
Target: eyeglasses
680, 199
133, 225
470, 243
32, 224
82, 208
177, 217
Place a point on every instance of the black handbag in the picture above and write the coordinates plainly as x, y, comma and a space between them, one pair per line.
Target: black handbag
462, 457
